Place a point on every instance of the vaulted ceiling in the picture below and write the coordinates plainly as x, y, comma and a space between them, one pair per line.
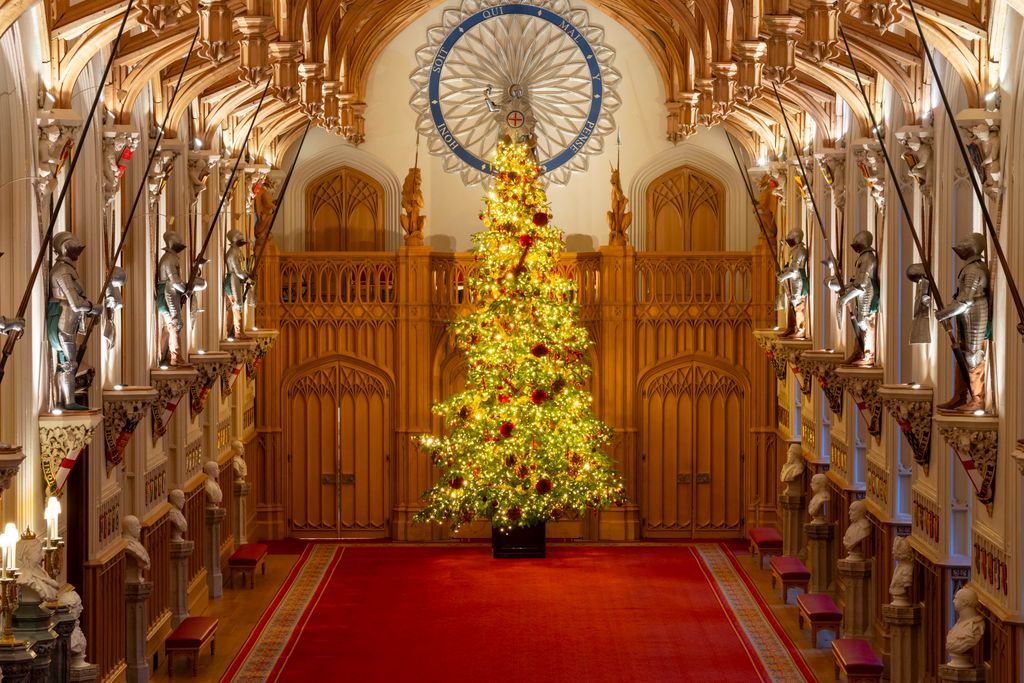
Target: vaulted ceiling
717, 59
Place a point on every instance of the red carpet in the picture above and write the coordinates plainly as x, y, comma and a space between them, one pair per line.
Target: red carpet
590, 614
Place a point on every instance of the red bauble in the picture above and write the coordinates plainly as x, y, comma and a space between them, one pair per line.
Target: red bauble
539, 351
526, 241
515, 514
540, 219
539, 396
543, 486
506, 429
503, 398
457, 482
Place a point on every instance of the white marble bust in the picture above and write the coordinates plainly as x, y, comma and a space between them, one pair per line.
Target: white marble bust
793, 468
820, 496
137, 554
903, 574
858, 530
967, 631
179, 525
214, 495
30, 558
238, 462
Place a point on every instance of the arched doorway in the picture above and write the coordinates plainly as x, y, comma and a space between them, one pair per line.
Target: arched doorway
685, 212
345, 212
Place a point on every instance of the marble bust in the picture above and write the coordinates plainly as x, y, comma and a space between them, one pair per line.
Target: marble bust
967, 631
137, 554
820, 496
903, 574
858, 530
214, 495
793, 468
30, 559
179, 525
238, 462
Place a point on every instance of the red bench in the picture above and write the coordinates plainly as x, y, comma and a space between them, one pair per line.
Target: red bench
188, 639
246, 559
765, 541
821, 612
791, 573
857, 661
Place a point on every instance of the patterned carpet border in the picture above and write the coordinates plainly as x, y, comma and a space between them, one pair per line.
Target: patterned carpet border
271, 640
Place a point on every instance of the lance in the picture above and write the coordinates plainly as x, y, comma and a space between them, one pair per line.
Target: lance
201, 256
273, 217
12, 338
753, 202
996, 246
138, 195
958, 353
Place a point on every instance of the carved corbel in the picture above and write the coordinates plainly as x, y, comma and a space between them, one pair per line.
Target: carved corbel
706, 105
981, 134
200, 165
832, 163
209, 367
750, 67
975, 440
284, 59
724, 88
794, 351
683, 123
241, 351
159, 174
253, 50
62, 438
119, 144
10, 462
868, 155
170, 386
311, 96
264, 341
823, 366
123, 409
56, 140
331, 90
768, 340
917, 153
911, 407
157, 15
863, 385
780, 65
351, 121
215, 38
883, 14
821, 30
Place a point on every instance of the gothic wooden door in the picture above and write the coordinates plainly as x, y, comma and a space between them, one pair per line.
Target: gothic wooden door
338, 435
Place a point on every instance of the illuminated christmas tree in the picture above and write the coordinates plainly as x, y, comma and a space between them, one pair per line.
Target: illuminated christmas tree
524, 445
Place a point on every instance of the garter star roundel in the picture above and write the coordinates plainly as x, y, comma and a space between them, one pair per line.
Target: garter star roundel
537, 72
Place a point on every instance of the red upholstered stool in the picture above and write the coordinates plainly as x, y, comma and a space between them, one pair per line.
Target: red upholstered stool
765, 542
857, 661
246, 559
189, 638
791, 573
821, 612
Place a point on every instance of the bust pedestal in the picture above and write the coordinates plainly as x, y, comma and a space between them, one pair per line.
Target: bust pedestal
953, 674
856, 573
135, 594
181, 551
60, 660
32, 624
241, 514
820, 537
16, 662
793, 542
905, 645
214, 577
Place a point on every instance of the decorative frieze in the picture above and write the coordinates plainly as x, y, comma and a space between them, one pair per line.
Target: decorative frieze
823, 366
170, 385
119, 144
780, 65
794, 350
209, 367
863, 384
10, 462
911, 407
975, 440
123, 409
62, 438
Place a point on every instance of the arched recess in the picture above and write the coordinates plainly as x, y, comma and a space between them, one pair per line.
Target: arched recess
685, 212
338, 420
344, 212
693, 431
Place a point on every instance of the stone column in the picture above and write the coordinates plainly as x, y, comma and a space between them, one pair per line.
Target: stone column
794, 510
904, 642
241, 512
820, 538
214, 578
136, 593
60, 660
857, 596
32, 624
181, 551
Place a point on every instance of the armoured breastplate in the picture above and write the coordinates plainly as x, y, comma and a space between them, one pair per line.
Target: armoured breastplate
64, 275
168, 269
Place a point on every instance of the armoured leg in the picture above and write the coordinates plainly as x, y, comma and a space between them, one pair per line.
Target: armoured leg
800, 319
66, 374
174, 343
959, 397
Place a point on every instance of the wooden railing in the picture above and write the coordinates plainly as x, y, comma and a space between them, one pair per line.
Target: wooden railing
157, 540
694, 284
332, 279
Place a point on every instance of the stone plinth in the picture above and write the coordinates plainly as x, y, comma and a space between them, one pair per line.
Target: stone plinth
214, 577
820, 538
86, 673
793, 510
60, 661
856, 573
16, 662
906, 648
136, 593
241, 511
952, 674
32, 624
181, 551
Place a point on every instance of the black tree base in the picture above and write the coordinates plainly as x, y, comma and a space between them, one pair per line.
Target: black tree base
519, 542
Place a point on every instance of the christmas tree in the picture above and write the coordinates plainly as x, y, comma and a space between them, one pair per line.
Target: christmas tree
524, 445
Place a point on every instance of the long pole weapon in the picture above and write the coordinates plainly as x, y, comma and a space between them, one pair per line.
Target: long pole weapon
753, 202
12, 338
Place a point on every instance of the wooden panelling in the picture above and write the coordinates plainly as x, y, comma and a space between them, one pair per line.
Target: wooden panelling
345, 212
685, 212
103, 615
156, 538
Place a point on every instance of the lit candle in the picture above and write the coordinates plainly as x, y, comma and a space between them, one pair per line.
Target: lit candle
52, 516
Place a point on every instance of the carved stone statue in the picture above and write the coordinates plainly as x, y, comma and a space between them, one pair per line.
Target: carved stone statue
65, 313
131, 531
179, 524
112, 303
238, 462
795, 280
30, 559
69, 599
971, 306
619, 219
863, 291
768, 204
858, 530
918, 158
820, 496
412, 205
514, 115
920, 322
903, 574
214, 495
236, 275
198, 175
793, 469
264, 205
967, 631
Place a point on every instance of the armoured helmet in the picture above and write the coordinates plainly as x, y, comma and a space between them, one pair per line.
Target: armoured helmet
862, 241
915, 272
66, 244
794, 237
172, 242
236, 238
970, 246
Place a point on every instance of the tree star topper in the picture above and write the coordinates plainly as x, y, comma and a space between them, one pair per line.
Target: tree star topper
494, 68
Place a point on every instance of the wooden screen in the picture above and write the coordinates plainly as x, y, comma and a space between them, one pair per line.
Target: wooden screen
338, 435
692, 432
345, 212
685, 212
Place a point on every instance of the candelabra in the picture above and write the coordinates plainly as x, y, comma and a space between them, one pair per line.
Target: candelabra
54, 544
8, 586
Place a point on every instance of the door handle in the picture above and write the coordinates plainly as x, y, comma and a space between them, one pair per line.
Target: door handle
703, 478
683, 478
328, 479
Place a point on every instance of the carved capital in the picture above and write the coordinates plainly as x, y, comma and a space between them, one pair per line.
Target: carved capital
863, 385
822, 365
917, 153
253, 50
62, 437
768, 340
157, 15
780, 64
123, 409
749, 69
882, 14
170, 386
10, 462
683, 116
56, 140
209, 367
821, 30
331, 90
980, 129
215, 38
724, 88
794, 350
351, 121
311, 96
119, 144
975, 440
284, 59
832, 163
241, 352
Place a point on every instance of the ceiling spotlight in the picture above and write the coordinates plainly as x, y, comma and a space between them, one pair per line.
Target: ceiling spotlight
198, 143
